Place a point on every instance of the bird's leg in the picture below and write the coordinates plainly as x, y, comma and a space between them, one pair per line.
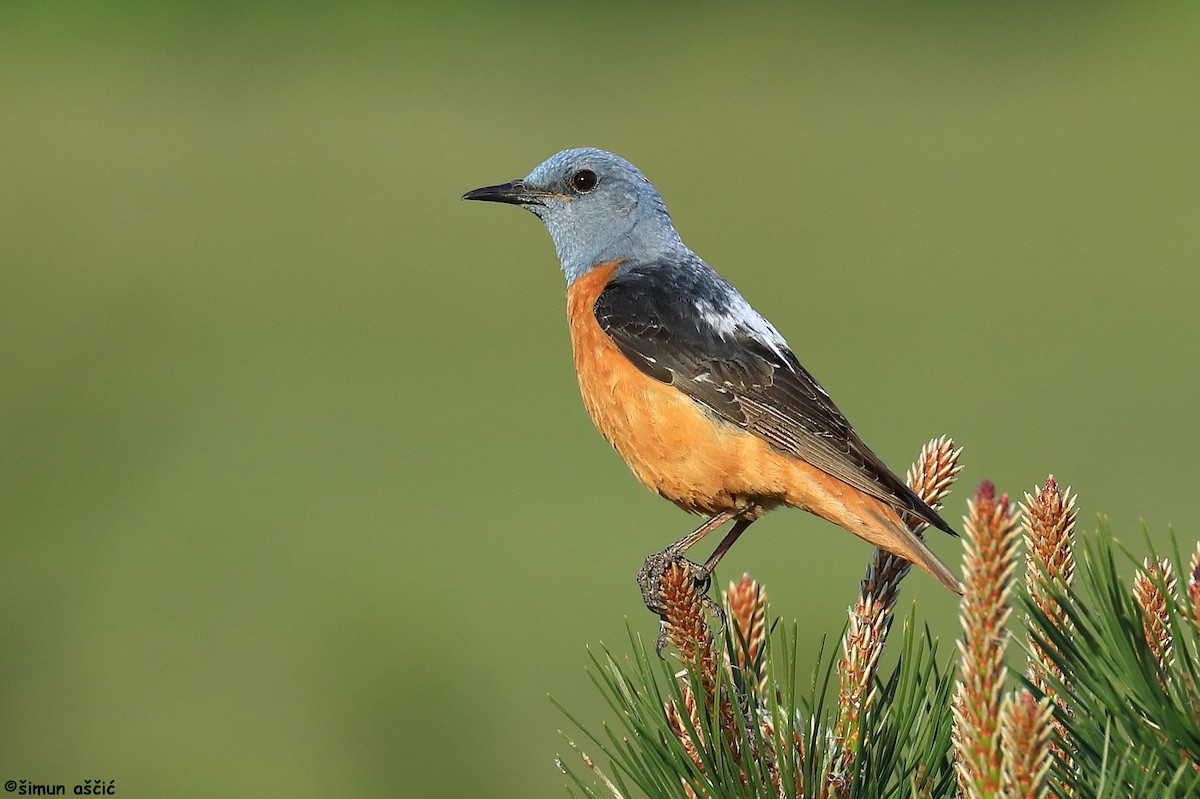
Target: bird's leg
650, 576
695, 536
728, 541
656, 563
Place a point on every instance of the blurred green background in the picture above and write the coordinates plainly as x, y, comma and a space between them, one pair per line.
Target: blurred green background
297, 494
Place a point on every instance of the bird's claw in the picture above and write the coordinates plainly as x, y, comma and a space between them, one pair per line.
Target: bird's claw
650, 576
650, 581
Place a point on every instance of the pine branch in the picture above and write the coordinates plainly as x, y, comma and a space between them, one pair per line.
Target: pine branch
1116, 666
1148, 588
988, 563
1025, 732
931, 478
1048, 522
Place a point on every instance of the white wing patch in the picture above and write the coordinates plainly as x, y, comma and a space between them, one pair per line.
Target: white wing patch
739, 315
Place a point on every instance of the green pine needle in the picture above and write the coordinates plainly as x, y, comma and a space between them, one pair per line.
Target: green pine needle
1132, 724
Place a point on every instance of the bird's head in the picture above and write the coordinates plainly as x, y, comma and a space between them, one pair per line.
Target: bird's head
597, 206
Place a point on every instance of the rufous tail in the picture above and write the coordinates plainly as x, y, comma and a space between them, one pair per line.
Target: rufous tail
878, 523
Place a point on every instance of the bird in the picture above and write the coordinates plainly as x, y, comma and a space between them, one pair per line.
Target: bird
699, 393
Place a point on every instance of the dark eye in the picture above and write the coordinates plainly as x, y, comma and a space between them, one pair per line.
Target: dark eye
584, 181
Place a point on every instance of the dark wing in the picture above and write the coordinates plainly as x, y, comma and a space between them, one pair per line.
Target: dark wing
686, 326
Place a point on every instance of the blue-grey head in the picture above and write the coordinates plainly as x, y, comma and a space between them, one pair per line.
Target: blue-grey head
597, 206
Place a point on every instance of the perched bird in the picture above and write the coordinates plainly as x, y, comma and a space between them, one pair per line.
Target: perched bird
699, 394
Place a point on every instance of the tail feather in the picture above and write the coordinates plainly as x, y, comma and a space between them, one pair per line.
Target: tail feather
879, 524
867, 517
894, 535
884, 529
906, 545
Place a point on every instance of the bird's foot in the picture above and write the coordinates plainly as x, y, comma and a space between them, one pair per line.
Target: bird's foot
650, 581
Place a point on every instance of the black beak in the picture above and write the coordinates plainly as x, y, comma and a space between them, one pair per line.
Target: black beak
514, 192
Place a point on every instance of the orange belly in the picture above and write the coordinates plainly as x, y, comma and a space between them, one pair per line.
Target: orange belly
701, 463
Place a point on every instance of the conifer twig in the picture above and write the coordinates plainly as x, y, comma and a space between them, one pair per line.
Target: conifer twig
1025, 731
1048, 522
871, 616
1156, 612
746, 604
988, 562
687, 629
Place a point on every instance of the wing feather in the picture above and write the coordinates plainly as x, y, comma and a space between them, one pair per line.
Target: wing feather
684, 325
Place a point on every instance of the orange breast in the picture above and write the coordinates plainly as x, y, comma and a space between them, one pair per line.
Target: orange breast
673, 447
